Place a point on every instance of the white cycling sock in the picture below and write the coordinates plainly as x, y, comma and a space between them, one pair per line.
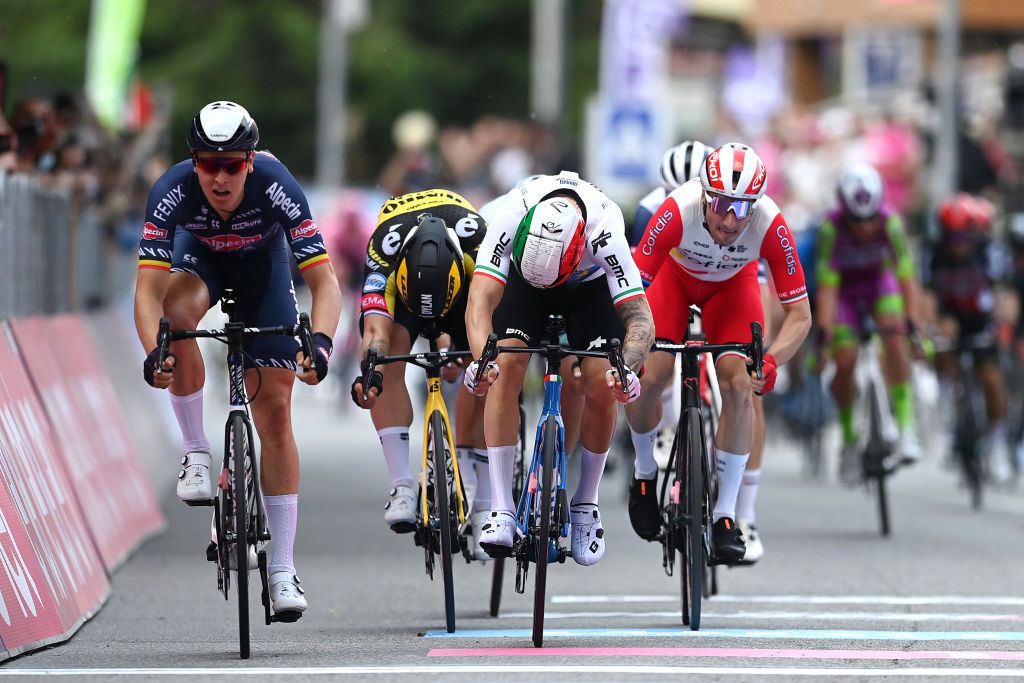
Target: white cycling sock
395, 442
189, 412
282, 518
747, 498
591, 469
730, 473
500, 461
482, 499
644, 466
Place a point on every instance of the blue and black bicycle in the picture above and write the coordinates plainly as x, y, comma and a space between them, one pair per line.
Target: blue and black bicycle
542, 516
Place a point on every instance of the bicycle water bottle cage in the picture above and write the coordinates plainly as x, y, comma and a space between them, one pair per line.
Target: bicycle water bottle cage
227, 303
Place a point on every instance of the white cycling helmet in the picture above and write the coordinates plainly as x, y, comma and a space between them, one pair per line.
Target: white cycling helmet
682, 163
223, 127
860, 191
734, 171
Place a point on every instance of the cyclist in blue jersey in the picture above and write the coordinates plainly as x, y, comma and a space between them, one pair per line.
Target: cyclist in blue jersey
228, 218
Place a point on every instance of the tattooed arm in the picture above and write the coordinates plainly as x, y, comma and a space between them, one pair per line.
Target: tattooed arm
639, 323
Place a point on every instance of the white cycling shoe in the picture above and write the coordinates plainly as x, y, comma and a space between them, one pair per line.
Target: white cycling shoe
286, 596
400, 511
587, 534
195, 484
477, 521
752, 541
497, 533
908, 448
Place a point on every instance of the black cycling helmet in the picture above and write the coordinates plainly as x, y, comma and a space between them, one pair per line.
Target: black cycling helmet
430, 273
223, 127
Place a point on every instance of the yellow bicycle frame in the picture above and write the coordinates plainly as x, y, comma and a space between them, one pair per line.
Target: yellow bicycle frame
435, 403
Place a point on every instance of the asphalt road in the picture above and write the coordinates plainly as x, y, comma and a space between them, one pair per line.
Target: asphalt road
831, 599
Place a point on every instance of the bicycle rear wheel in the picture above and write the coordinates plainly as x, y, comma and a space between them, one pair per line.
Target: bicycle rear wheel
542, 539
239, 452
442, 500
696, 507
498, 572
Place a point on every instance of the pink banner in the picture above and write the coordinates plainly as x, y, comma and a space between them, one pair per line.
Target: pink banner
43, 495
98, 454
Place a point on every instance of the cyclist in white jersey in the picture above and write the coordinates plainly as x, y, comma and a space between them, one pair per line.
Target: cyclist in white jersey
555, 245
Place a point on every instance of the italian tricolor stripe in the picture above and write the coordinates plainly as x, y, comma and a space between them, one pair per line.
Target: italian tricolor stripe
492, 273
624, 296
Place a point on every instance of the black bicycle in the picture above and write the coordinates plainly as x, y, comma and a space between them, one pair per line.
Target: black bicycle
687, 504
970, 404
239, 514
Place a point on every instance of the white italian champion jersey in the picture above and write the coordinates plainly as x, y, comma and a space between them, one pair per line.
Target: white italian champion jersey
606, 253
677, 230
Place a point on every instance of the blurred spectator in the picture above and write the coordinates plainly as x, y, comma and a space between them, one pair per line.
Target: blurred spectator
36, 126
8, 146
414, 165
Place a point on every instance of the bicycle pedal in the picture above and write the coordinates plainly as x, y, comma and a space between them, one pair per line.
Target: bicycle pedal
199, 503
211, 552
403, 527
286, 617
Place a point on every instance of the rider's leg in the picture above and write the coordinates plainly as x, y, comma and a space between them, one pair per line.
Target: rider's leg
598, 424
735, 431
891, 321
271, 395
644, 414
187, 301
392, 413
501, 424
844, 384
994, 387
573, 398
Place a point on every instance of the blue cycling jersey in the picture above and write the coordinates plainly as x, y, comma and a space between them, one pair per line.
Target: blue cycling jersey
272, 203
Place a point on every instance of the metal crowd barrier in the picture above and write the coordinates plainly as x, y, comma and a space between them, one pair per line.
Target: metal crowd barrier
38, 228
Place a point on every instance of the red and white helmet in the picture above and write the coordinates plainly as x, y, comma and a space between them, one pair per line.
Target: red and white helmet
734, 171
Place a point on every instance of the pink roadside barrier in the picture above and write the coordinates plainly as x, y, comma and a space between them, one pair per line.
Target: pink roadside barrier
95, 447
51, 576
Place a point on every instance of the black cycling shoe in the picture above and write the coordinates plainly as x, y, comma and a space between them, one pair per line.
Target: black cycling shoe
727, 541
643, 508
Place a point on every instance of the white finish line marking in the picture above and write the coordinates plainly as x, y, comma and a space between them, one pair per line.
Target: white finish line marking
989, 600
552, 669
788, 634
824, 616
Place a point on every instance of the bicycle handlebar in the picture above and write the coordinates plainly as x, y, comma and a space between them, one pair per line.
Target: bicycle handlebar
165, 335
491, 351
754, 349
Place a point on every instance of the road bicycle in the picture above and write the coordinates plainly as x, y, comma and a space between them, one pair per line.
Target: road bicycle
240, 526
542, 514
687, 501
441, 527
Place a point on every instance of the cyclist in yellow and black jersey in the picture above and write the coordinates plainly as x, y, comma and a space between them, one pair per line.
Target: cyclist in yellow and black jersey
419, 260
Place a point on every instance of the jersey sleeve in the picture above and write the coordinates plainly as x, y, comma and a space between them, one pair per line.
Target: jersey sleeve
163, 209
904, 261
495, 252
664, 231
379, 289
288, 200
778, 248
825, 269
608, 244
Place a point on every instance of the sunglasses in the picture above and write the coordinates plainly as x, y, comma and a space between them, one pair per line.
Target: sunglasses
230, 165
723, 205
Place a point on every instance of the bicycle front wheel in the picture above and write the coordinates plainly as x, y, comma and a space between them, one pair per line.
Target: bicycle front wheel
542, 538
442, 503
238, 453
876, 449
694, 559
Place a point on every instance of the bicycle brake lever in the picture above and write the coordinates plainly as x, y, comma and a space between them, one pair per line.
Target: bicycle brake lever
615, 355
757, 348
370, 365
488, 356
163, 342
306, 337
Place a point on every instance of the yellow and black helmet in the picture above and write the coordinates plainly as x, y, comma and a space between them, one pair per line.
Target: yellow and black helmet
430, 274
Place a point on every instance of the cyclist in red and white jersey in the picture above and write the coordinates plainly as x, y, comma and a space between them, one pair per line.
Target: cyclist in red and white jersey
702, 247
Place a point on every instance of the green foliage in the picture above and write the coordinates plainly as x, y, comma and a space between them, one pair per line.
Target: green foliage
457, 59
